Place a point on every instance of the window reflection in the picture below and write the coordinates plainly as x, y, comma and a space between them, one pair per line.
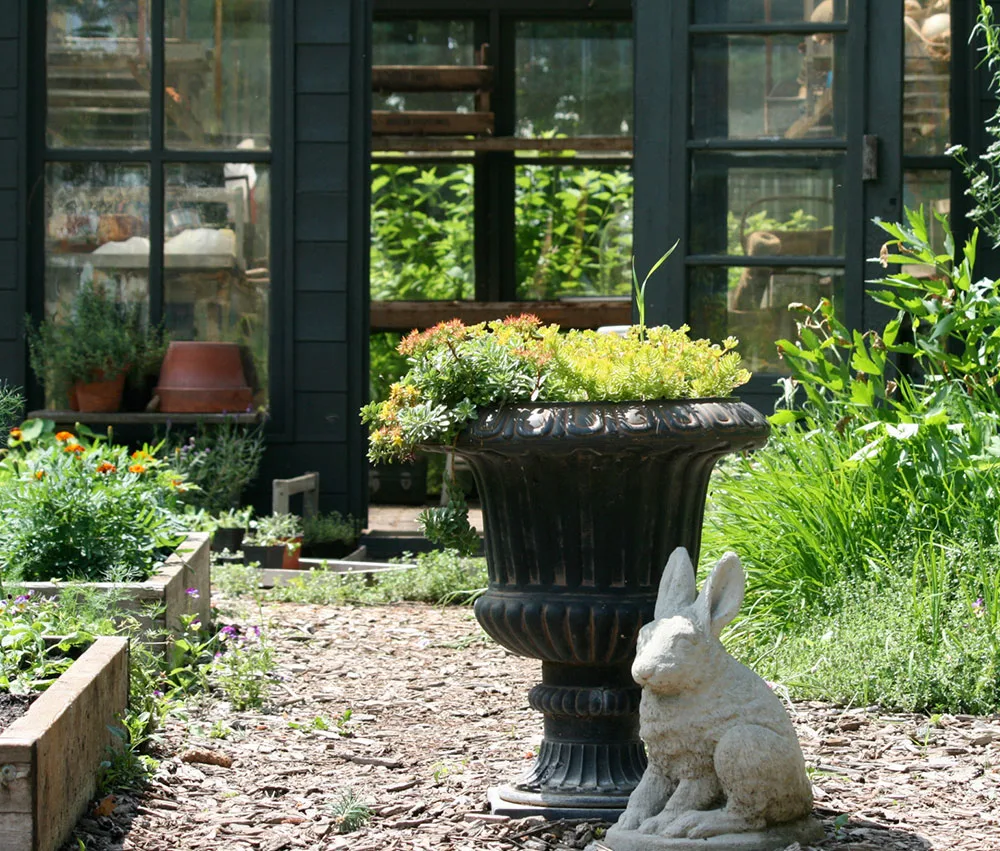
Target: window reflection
782, 86
218, 74
217, 273
97, 70
752, 304
574, 78
927, 77
770, 11
96, 229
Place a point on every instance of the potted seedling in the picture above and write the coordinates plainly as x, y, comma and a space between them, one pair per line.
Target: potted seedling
274, 541
592, 455
230, 528
84, 351
329, 536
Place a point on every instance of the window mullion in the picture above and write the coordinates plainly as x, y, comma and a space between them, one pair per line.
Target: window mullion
156, 177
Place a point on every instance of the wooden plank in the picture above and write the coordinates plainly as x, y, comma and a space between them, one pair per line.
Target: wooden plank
283, 489
431, 78
575, 313
431, 144
63, 736
430, 123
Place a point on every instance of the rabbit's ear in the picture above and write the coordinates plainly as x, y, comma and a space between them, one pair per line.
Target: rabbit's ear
722, 594
677, 585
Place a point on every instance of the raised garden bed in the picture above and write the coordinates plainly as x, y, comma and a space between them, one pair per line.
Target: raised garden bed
49, 757
187, 568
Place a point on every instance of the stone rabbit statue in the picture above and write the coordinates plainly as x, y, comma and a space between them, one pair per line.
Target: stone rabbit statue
725, 768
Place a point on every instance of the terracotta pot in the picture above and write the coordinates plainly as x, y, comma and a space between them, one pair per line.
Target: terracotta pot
99, 396
292, 554
201, 377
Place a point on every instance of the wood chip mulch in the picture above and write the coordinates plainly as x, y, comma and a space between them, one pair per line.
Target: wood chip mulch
438, 713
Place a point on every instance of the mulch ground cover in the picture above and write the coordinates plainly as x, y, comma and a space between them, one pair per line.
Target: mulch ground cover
414, 711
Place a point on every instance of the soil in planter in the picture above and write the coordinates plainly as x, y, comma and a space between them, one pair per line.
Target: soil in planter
13, 706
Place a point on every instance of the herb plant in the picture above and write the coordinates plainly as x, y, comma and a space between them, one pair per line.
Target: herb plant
220, 459
273, 529
330, 527
455, 370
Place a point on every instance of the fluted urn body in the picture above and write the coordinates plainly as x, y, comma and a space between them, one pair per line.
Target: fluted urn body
582, 506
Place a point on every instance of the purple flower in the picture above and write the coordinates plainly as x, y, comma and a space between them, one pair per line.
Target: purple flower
193, 593
157, 693
978, 607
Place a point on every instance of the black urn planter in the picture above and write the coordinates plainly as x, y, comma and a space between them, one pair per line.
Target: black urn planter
582, 506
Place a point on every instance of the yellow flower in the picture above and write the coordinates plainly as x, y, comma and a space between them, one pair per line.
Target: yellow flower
137, 468
15, 433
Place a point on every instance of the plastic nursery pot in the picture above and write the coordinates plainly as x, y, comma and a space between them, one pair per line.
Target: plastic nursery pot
227, 538
203, 378
99, 396
268, 558
329, 549
292, 553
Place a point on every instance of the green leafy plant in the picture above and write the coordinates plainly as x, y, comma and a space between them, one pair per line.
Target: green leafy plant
330, 527
273, 529
220, 459
456, 370
95, 335
243, 665
79, 507
349, 812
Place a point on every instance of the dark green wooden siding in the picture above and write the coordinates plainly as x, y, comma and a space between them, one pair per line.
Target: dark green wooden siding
12, 295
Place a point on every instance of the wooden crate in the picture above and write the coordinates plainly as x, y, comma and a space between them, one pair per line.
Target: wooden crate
49, 757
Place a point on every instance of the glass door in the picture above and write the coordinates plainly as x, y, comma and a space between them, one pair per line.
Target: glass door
771, 150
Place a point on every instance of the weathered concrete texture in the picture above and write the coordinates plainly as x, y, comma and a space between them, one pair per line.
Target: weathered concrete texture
725, 768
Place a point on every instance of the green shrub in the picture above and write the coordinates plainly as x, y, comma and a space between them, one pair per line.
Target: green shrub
78, 507
219, 459
330, 527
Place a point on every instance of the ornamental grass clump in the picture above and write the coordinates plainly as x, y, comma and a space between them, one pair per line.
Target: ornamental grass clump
456, 370
77, 507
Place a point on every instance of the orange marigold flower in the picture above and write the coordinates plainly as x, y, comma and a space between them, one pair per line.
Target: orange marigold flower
64, 435
39, 474
140, 454
74, 447
15, 433
106, 467
137, 468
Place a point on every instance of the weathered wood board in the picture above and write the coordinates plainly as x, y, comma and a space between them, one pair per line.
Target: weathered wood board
50, 756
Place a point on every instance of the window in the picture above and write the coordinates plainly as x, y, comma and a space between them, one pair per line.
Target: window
156, 166
538, 205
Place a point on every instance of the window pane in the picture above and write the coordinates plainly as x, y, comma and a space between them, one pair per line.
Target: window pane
96, 229
762, 87
927, 77
217, 259
751, 304
218, 74
422, 232
414, 42
932, 191
574, 231
741, 206
574, 78
770, 11
97, 60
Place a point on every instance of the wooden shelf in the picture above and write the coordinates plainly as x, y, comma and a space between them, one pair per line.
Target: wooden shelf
567, 313
120, 418
431, 78
429, 123
436, 144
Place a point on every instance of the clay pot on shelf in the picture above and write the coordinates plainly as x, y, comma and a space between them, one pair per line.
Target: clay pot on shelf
203, 378
101, 395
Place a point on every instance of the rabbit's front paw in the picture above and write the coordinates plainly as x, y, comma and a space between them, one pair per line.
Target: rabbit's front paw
660, 824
